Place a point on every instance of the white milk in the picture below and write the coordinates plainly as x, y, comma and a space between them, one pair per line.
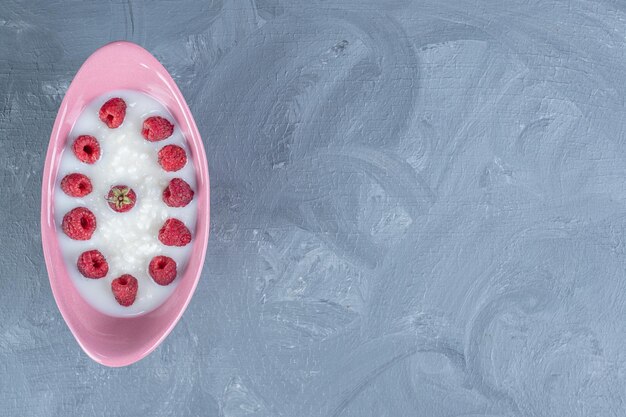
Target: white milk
128, 240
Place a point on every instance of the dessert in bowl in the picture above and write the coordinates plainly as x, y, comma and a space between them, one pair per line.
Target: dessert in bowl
125, 205
124, 178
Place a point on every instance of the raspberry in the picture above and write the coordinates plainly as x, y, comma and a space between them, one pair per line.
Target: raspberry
112, 112
87, 149
125, 289
162, 269
121, 198
174, 233
177, 193
76, 185
172, 158
79, 223
92, 264
157, 128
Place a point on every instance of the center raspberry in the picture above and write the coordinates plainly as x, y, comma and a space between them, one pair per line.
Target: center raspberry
121, 198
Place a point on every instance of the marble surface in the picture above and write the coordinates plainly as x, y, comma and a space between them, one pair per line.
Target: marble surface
418, 209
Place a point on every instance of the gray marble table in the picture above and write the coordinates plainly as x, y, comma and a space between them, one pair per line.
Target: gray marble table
418, 209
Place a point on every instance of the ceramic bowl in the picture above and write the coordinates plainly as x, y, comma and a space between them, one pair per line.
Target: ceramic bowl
115, 341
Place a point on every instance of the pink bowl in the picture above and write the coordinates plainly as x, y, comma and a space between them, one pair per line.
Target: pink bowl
109, 340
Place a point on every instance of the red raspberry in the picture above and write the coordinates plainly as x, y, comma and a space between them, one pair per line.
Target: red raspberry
112, 112
92, 264
76, 185
178, 193
87, 149
172, 158
162, 269
157, 128
121, 198
174, 233
125, 289
79, 223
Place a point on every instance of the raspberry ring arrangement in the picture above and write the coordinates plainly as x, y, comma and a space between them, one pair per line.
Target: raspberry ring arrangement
80, 223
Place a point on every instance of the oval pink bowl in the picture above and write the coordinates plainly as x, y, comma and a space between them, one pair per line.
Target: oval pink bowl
114, 341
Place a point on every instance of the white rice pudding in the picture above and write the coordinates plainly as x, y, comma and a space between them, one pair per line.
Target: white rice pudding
127, 240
